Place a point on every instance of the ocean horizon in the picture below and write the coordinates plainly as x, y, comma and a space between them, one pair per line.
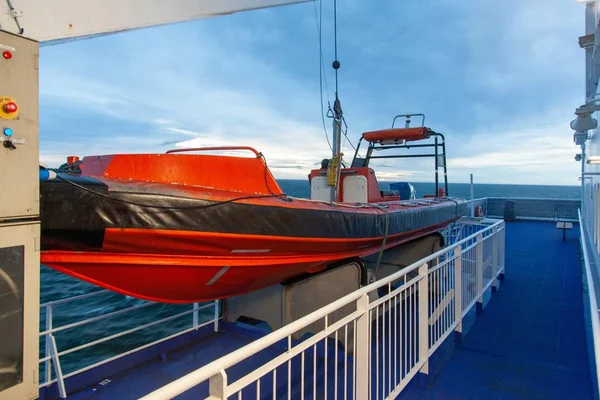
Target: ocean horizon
301, 188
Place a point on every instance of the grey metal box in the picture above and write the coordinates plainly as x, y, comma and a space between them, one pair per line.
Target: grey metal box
19, 176
19, 310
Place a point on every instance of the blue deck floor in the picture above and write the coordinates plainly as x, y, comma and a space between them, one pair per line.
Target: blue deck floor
529, 342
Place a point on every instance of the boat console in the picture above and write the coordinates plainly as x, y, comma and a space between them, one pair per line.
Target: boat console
358, 183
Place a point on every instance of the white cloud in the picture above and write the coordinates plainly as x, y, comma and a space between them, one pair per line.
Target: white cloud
181, 131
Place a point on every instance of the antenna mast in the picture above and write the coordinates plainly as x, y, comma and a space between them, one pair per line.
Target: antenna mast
334, 169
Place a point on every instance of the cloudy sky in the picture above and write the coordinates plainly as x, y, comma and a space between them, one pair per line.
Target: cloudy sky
500, 79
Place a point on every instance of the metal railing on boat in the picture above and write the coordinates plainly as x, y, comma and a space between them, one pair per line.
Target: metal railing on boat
52, 355
377, 348
592, 303
528, 208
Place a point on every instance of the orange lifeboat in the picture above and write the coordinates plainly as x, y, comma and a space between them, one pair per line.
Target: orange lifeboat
183, 228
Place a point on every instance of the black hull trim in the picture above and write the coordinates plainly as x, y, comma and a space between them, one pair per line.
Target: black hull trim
77, 218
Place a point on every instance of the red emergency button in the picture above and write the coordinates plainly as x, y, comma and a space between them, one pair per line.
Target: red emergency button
11, 107
7, 55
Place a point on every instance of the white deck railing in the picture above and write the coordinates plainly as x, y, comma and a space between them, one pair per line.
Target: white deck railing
593, 305
379, 346
52, 354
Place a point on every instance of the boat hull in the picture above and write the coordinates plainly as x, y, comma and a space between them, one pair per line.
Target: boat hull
180, 229
201, 275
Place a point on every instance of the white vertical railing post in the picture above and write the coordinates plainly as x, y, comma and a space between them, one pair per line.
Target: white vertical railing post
502, 252
458, 293
60, 382
216, 315
217, 386
195, 315
494, 266
47, 351
424, 318
479, 272
363, 347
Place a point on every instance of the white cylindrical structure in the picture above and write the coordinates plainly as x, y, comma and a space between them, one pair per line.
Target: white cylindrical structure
472, 198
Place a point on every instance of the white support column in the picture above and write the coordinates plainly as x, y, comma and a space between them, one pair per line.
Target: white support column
502, 253
472, 198
48, 350
361, 358
217, 386
591, 76
479, 272
494, 266
424, 318
195, 315
60, 382
458, 293
216, 321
